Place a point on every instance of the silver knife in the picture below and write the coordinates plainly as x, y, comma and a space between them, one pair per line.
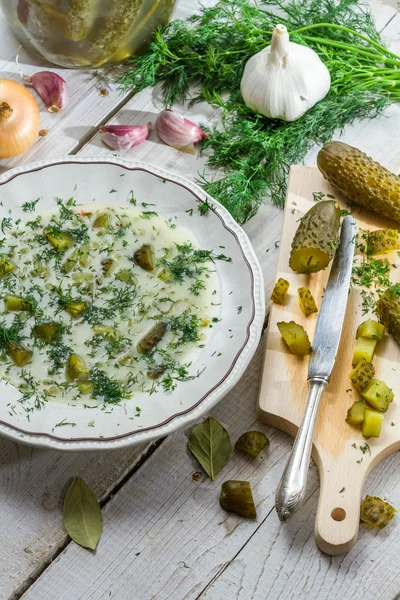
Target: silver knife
292, 486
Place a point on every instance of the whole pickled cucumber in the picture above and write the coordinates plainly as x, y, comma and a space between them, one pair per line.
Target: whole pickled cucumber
112, 29
360, 179
388, 311
316, 238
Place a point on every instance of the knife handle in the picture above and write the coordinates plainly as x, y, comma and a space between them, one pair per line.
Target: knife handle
292, 486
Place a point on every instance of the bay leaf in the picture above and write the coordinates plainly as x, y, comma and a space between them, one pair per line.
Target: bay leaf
210, 443
82, 514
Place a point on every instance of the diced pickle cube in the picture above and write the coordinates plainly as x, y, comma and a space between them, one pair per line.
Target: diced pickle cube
295, 337
279, 292
365, 348
126, 276
45, 331
107, 265
79, 278
166, 276
355, 414
236, 497
60, 240
6, 266
372, 424
362, 374
307, 301
108, 332
371, 329
85, 387
40, 269
382, 241
152, 338
84, 255
101, 221
77, 308
76, 368
376, 512
19, 354
144, 258
14, 303
156, 372
71, 261
378, 395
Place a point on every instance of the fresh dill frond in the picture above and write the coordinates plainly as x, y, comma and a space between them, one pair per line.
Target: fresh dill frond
30, 206
203, 60
108, 389
186, 327
190, 263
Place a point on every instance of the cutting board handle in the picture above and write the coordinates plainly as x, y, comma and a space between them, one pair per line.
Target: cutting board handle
338, 513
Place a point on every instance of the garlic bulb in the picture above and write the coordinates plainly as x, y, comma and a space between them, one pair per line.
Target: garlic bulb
285, 79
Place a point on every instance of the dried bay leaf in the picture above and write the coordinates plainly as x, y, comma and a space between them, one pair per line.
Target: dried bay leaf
210, 443
82, 514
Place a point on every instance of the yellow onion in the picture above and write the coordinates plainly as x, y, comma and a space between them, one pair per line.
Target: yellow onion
19, 119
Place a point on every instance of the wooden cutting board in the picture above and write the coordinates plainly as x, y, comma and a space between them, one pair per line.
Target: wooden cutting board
343, 466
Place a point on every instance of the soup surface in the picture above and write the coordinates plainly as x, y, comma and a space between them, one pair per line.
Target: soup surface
101, 303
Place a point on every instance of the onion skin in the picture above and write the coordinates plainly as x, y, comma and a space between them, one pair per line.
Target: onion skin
19, 119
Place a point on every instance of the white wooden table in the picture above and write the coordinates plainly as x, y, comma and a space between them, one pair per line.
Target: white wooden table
165, 536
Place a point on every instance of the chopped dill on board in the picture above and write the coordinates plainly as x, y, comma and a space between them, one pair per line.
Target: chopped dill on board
203, 58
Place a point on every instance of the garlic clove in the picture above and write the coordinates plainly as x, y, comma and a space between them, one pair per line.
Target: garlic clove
285, 79
124, 137
178, 132
51, 88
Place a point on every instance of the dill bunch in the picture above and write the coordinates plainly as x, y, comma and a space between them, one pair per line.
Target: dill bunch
203, 58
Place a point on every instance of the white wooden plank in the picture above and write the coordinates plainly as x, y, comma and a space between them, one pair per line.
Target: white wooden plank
33, 483
282, 561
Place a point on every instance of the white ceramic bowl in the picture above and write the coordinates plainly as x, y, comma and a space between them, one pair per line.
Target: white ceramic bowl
230, 347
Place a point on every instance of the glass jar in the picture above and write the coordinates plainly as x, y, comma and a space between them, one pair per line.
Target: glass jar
86, 33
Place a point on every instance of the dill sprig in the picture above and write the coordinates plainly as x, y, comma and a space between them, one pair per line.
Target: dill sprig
372, 275
203, 59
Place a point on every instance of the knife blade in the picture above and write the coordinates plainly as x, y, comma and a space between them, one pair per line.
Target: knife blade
331, 315
292, 487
